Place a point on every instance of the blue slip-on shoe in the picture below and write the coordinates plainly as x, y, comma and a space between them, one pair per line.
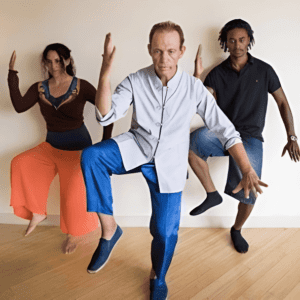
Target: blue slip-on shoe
158, 291
103, 252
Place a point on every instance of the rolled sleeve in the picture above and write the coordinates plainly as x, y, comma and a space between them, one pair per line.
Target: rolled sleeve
104, 121
121, 101
231, 142
215, 119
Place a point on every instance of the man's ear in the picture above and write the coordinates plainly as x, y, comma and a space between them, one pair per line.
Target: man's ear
183, 48
149, 49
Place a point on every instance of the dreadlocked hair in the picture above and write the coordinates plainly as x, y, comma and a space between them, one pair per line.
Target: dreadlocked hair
236, 23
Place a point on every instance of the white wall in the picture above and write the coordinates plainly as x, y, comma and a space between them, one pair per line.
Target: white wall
28, 26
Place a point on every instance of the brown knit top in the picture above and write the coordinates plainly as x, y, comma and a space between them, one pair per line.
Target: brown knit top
69, 114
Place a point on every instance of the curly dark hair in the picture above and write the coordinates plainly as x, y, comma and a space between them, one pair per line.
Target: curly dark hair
236, 23
64, 53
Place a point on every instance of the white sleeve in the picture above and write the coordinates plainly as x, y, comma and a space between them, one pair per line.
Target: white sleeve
121, 101
214, 118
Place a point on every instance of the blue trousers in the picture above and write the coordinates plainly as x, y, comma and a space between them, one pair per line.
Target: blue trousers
103, 159
205, 143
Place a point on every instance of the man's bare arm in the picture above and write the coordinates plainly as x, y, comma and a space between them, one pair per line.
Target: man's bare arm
292, 146
103, 95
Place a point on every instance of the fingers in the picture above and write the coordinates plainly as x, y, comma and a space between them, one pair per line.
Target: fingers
199, 52
238, 188
108, 45
291, 155
262, 183
297, 155
12, 60
283, 152
113, 53
295, 152
253, 190
246, 192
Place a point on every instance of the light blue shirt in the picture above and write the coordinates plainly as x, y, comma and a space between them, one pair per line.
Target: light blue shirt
160, 126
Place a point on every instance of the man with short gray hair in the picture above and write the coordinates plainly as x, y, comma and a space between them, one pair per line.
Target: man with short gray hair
164, 101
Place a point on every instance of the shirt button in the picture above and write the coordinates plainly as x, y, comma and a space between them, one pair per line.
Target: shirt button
158, 107
157, 124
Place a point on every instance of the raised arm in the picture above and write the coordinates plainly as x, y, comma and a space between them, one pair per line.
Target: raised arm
20, 103
198, 63
292, 146
103, 95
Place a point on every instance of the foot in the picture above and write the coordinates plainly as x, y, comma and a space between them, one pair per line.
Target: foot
158, 290
36, 219
212, 199
70, 244
103, 252
240, 244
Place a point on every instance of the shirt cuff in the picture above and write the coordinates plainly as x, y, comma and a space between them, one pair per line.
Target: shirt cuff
233, 142
102, 119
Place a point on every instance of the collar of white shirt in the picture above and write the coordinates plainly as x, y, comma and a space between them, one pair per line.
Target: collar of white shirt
172, 83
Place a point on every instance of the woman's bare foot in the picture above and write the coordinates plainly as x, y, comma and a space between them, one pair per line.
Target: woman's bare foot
70, 244
36, 219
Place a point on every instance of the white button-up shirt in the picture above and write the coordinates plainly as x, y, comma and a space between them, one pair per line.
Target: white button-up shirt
160, 126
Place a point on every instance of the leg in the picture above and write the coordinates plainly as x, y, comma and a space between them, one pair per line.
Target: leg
254, 151
98, 163
204, 144
74, 218
31, 175
200, 168
244, 211
164, 227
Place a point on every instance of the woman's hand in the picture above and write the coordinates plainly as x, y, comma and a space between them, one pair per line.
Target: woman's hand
12, 61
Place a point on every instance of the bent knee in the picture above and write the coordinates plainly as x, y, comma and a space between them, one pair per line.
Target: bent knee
88, 155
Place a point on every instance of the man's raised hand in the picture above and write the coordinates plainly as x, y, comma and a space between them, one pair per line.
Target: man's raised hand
198, 63
108, 56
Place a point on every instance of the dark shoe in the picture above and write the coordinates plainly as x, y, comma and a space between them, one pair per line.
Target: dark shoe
103, 252
158, 291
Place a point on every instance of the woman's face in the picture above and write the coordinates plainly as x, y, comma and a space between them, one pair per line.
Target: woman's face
54, 64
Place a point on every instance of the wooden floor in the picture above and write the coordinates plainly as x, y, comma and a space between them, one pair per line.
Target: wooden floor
205, 266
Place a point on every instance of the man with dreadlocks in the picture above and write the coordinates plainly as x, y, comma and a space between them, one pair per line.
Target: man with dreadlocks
240, 85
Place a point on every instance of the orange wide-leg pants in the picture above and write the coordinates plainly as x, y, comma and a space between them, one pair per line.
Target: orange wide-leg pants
31, 175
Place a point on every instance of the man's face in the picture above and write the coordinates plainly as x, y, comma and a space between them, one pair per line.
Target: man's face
165, 52
237, 42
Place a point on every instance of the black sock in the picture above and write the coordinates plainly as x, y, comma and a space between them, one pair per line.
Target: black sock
240, 244
211, 200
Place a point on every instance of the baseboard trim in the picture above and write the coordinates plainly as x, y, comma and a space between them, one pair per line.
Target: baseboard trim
186, 221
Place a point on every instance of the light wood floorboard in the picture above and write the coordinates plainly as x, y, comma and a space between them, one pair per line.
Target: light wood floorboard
205, 266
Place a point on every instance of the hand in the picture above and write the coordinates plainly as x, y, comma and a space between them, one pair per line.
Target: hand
250, 182
198, 63
108, 56
293, 149
12, 61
